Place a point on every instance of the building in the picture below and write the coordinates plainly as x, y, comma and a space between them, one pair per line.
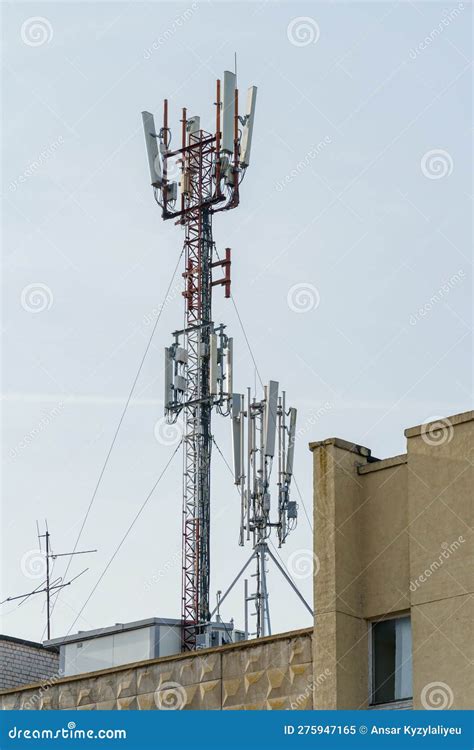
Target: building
393, 591
23, 662
124, 643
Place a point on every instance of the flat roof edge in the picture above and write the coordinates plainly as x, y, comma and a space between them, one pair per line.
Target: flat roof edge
25, 642
361, 450
120, 627
455, 419
384, 463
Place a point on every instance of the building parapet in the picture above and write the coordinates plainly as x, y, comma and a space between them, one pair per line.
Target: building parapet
361, 450
273, 673
466, 416
384, 463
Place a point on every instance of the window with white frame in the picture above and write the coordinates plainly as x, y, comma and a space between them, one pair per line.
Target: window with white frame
391, 662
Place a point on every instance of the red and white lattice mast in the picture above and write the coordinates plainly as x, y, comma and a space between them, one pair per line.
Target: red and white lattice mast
192, 183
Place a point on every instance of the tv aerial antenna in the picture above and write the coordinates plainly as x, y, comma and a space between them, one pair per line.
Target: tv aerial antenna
191, 182
49, 584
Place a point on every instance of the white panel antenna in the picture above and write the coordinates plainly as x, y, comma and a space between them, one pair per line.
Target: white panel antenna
228, 115
291, 443
229, 366
168, 378
271, 408
246, 140
181, 355
193, 125
152, 149
237, 424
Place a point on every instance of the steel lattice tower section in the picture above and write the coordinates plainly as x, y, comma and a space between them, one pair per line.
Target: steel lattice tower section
197, 436
199, 363
207, 170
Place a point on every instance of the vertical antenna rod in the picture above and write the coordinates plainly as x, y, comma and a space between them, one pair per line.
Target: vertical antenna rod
48, 597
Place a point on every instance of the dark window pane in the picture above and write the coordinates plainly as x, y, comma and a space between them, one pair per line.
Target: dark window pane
383, 661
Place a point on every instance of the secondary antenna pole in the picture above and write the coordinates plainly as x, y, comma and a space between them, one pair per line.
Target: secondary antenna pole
48, 597
50, 555
47, 585
261, 596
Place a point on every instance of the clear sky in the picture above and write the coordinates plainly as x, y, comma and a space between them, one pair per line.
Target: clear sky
351, 266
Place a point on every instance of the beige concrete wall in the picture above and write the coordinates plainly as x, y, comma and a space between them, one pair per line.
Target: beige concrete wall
440, 491
360, 521
276, 673
395, 537
340, 633
384, 537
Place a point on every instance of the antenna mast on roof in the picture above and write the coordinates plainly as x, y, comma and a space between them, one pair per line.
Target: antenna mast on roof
47, 585
193, 181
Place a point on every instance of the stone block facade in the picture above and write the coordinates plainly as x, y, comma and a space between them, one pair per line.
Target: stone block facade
276, 673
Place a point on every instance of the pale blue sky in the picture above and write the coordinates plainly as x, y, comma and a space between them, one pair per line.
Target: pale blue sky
361, 220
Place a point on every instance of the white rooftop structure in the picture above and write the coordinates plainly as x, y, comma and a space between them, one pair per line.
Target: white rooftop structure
125, 643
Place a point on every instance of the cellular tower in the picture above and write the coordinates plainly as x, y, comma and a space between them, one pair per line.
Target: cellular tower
192, 181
